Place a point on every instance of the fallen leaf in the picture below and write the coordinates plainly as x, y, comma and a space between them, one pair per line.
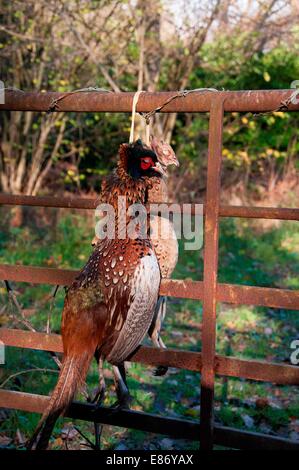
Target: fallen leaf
5, 440
176, 333
268, 331
264, 428
295, 425
58, 442
294, 436
68, 432
248, 421
167, 444
121, 446
261, 402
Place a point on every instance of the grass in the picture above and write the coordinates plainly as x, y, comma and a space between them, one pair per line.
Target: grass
248, 255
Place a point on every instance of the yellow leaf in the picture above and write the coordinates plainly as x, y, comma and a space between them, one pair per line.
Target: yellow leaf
191, 412
267, 77
279, 114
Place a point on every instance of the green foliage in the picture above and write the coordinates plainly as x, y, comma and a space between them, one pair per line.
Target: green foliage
254, 146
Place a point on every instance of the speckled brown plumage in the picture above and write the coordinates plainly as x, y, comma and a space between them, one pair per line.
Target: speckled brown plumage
104, 289
166, 249
154, 191
119, 183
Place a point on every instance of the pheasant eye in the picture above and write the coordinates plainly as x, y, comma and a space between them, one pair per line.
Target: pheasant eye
146, 163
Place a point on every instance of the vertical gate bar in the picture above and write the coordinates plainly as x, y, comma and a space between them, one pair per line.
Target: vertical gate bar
211, 232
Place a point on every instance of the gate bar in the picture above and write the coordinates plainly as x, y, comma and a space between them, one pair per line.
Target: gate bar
229, 293
235, 101
211, 235
281, 213
227, 366
177, 428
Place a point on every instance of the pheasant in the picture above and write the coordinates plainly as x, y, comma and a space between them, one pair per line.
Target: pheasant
166, 249
110, 305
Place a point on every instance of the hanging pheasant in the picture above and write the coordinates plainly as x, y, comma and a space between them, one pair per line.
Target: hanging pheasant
110, 306
166, 249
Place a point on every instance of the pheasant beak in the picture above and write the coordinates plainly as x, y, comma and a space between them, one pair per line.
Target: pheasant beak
159, 169
173, 161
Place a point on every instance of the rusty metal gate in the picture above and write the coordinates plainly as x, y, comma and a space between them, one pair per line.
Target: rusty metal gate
207, 362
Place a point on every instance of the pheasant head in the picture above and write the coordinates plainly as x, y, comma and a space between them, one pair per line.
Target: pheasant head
138, 161
164, 152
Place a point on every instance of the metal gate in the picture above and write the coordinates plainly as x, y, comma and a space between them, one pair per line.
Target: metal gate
207, 362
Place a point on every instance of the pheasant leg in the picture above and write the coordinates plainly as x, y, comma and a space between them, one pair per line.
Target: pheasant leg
123, 395
100, 392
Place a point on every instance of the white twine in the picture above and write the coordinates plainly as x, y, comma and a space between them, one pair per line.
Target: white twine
135, 101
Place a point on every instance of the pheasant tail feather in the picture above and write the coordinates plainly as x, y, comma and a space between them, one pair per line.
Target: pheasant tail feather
71, 377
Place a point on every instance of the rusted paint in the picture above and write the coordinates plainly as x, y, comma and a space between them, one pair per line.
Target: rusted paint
228, 293
235, 101
36, 275
182, 289
48, 201
264, 371
260, 296
23, 401
91, 204
211, 234
280, 213
31, 340
225, 366
145, 355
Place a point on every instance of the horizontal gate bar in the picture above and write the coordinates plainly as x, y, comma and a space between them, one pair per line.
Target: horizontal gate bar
48, 201
224, 365
177, 428
281, 213
146, 355
228, 293
89, 203
125, 418
243, 101
245, 440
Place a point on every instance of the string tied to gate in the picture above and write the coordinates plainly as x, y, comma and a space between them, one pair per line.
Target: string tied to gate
133, 116
148, 116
